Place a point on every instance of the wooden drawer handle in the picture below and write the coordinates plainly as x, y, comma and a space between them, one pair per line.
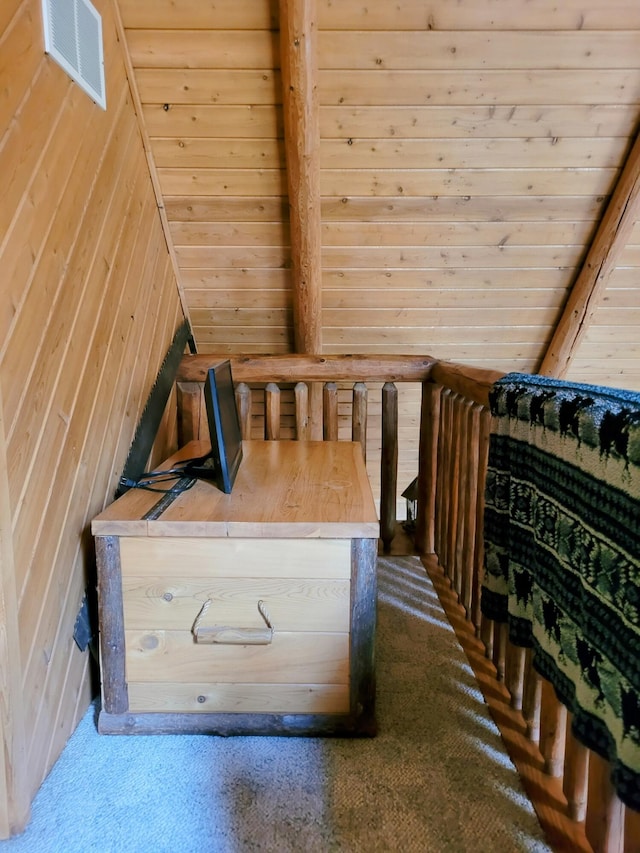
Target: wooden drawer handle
232, 636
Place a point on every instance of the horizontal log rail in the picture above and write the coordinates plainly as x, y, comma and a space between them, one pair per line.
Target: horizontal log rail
311, 368
315, 414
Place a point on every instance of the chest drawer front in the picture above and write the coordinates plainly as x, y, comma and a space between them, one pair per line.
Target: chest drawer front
197, 698
167, 557
293, 604
161, 656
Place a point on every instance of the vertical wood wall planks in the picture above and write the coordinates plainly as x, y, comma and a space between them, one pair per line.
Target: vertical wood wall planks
14, 789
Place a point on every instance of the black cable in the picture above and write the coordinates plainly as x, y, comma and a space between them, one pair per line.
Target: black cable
145, 481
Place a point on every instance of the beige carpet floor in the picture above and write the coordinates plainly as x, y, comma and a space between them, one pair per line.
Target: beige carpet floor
436, 777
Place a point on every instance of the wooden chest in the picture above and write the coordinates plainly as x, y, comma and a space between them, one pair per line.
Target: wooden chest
252, 612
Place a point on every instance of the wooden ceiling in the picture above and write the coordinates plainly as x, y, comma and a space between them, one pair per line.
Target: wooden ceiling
466, 154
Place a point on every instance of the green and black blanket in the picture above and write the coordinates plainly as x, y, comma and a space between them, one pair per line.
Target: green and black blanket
562, 552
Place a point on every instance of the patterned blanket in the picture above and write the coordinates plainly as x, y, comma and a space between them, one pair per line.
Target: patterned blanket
562, 552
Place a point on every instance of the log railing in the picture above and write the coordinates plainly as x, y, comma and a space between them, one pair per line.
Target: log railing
455, 425
307, 407
455, 433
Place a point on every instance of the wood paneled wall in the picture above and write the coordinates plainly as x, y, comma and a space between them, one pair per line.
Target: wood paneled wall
467, 152
89, 307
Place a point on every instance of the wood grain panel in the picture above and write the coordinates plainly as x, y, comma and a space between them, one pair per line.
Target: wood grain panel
193, 14
477, 257
291, 658
75, 207
236, 280
293, 605
477, 122
440, 281
222, 182
230, 233
483, 15
453, 233
239, 698
20, 58
204, 153
203, 48
157, 557
398, 88
207, 86
460, 50
212, 209
239, 257
464, 182
606, 152
213, 121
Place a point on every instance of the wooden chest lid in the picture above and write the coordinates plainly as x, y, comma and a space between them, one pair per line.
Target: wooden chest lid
283, 489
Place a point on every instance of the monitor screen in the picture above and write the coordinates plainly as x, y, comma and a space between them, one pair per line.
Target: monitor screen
222, 464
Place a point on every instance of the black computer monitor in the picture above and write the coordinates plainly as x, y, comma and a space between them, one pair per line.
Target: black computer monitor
221, 465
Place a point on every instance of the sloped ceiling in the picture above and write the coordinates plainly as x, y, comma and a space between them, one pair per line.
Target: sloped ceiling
468, 151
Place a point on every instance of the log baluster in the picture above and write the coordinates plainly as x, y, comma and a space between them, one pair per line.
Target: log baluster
444, 484
389, 463
428, 467
359, 416
604, 821
576, 775
461, 529
470, 511
453, 477
532, 699
330, 412
243, 401
501, 633
478, 561
514, 674
301, 399
553, 730
272, 412
631, 831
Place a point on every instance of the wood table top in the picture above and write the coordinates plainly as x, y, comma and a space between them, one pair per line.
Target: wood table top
288, 489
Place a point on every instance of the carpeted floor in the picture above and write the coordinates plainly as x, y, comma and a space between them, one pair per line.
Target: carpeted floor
436, 778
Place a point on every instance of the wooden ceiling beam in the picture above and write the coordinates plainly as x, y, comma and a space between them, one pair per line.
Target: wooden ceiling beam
299, 63
589, 287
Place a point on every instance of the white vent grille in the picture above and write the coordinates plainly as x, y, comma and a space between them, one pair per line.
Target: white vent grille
73, 37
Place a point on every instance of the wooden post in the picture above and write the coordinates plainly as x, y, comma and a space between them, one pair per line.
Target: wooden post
553, 730
189, 403
272, 412
298, 59
389, 463
576, 774
301, 396
330, 411
604, 825
359, 416
243, 400
428, 470
586, 293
